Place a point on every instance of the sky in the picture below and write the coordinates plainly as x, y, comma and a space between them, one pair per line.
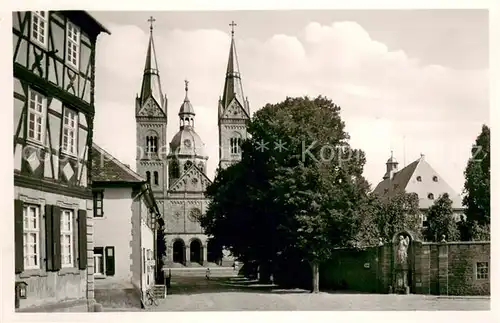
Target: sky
411, 81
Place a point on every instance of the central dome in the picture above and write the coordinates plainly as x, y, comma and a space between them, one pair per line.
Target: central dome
187, 142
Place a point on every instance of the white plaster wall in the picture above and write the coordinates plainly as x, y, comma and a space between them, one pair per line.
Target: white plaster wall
115, 229
147, 242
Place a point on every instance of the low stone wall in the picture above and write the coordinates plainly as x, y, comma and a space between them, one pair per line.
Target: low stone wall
436, 268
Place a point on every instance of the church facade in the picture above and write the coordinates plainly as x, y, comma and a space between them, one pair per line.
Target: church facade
177, 168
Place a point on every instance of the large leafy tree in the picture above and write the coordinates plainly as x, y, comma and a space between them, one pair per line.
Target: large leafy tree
441, 221
477, 187
397, 213
298, 189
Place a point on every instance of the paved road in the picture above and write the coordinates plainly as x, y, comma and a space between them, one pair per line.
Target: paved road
198, 294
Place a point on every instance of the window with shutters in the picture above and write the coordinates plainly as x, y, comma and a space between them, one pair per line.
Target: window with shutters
31, 236
67, 236
98, 261
98, 208
36, 115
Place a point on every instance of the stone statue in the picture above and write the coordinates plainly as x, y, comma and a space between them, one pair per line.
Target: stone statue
402, 254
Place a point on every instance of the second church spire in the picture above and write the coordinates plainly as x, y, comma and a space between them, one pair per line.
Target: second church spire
151, 85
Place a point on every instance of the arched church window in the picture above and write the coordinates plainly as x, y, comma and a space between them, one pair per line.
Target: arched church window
148, 176
235, 145
151, 144
156, 177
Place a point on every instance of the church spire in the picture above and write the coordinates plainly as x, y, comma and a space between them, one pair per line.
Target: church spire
151, 86
233, 87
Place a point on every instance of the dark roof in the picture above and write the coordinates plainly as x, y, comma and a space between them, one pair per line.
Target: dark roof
399, 181
85, 20
106, 168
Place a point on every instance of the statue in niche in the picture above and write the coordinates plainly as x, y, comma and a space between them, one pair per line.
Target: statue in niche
402, 251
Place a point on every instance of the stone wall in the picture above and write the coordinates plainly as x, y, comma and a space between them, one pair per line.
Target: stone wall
437, 268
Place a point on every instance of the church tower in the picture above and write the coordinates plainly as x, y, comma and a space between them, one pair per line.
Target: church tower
391, 167
233, 112
151, 125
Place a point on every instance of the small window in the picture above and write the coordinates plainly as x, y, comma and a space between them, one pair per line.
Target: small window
151, 144
187, 164
98, 261
73, 45
386, 190
67, 229
39, 28
430, 196
70, 128
156, 177
435, 178
148, 177
98, 207
36, 116
235, 145
31, 236
419, 178
482, 270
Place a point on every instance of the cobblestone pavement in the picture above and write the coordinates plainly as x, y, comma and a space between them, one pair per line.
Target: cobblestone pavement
198, 294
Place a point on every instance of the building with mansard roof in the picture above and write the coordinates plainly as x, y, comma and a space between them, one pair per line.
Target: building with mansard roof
176, 168
420, 178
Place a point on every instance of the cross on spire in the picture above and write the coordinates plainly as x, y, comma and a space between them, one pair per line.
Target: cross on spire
151, 20
232, 24
186, 82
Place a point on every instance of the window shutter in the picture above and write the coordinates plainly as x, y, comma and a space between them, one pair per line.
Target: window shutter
56, 237
49, 238
19, 236
82, 239
53, 237
110, 261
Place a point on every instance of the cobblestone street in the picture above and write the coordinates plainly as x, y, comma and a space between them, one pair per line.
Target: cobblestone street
198, 294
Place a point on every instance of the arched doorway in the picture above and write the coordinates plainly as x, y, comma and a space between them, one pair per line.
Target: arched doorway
214, 252
196, 251
179, 251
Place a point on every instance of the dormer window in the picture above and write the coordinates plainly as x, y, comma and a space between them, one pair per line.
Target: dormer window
419, 178
430, 196
435, 178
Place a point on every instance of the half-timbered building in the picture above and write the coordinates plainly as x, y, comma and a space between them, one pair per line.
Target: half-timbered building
54, 71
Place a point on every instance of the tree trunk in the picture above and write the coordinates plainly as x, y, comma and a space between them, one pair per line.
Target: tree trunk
315, 277
265, 272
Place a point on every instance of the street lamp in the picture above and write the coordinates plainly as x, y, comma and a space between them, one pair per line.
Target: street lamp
19, 292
